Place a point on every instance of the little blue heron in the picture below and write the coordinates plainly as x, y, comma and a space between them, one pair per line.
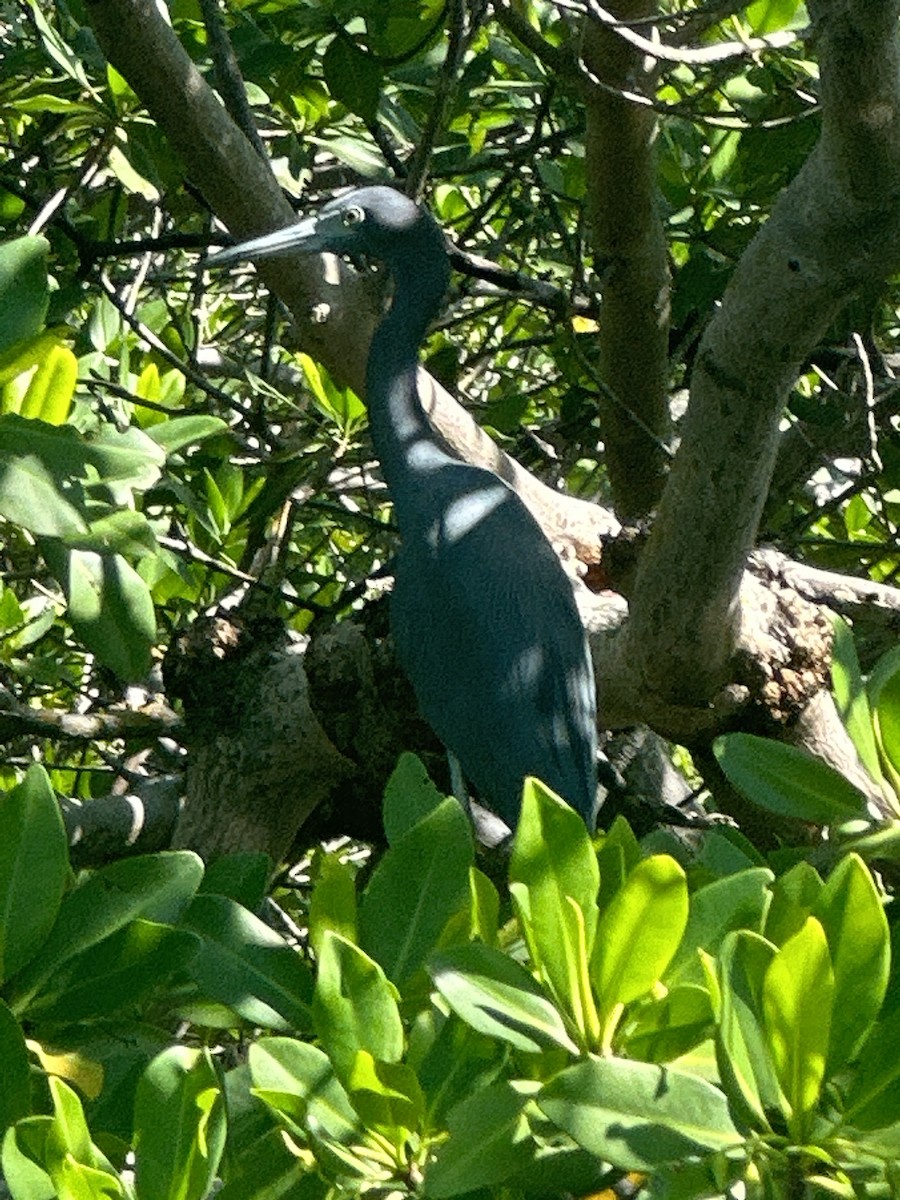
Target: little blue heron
482, 613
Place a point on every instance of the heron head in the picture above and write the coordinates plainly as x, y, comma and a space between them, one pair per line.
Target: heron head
375, 222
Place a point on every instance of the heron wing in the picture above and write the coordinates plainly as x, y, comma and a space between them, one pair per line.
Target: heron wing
488, 632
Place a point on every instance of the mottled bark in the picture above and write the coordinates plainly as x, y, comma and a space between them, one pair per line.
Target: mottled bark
630, 258
834, 229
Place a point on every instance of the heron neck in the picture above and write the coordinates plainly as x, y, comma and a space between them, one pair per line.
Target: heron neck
407, 446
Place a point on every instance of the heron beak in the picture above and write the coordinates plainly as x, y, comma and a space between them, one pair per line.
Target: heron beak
302, 236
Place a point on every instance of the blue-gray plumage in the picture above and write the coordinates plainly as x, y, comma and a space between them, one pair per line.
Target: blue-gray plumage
482, 613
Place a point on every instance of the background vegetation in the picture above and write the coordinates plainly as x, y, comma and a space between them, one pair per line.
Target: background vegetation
676, 235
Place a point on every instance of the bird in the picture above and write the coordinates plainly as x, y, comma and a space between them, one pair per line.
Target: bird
482, 614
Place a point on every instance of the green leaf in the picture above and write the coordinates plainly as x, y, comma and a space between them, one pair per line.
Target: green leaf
354, 1007
455, 1062
109, 605
50, 392
788, 781
242, 876
884, 697
745, 1068
70, 1131
118, 460
851, 699
245, 965
873, 1098
662, 1029
298, 1082
797, 1003
34, 867
387, 1097
332, 905
24, 294
156, 887
123, 532
408, 797
354, 78
794, 895
30, 496
116, 974
497, 996
179, 1122
24, 1149
15, 1094
175, 433
341, 405
489, 1142
554, 879
419, 884
638, 1116
856, 929
771, 16
268, 1170
738, 901
619, 853
638, 935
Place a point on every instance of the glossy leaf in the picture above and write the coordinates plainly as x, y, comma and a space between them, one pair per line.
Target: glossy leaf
489, 1142
387, 1097
742, 1052
245, 965
179, 1121
794, 896
409, 795
155, 887
122, 532
332, 905
15, 1094
873, 1098
851, 698
639, 933
496, 996
770, 16
455, 1063
797, 1003
24, 293
24, 1150
176, 433
30, 496
736, 902
354, 1007
242, 876
663, 1029
34, 867
884, 696
128, 459
554, 879
638, 1116
115, 975
268, 1170
619, 853
50, 392
109, 605
298, 1081
419, 884
853, 918
788, 781
353, 76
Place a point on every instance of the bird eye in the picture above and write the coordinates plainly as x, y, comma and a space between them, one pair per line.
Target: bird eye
353, 216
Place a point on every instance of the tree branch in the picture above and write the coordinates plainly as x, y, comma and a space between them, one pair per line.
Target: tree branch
242, 191
834, 229
630, 259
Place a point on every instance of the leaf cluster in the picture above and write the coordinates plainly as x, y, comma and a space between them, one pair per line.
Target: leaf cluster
695, 1021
